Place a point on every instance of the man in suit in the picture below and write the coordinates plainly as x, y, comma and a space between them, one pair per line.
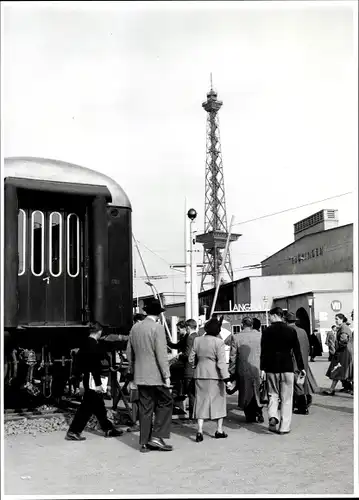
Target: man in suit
177, 365
90, 360
301, 391
276, 362
148, 362
189, 383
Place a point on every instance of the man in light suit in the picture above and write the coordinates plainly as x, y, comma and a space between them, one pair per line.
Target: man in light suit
148, 362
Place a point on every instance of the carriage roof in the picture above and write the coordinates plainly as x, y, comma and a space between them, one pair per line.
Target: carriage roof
60, 171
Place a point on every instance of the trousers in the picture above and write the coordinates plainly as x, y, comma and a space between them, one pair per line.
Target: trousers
154, 400
280, 390
190, 390
92, 404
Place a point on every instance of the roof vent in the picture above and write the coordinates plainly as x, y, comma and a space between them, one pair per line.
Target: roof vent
320, 221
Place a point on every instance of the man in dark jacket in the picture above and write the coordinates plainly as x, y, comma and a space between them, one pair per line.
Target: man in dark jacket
177, 365
91, 355
277, 344
148, 362
189, 383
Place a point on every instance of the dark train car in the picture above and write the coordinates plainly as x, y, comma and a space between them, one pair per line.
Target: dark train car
67, 259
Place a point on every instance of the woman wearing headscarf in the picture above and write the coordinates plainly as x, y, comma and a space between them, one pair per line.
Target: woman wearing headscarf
341, 365
208, 357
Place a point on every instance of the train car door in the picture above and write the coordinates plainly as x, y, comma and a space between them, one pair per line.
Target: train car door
51, 254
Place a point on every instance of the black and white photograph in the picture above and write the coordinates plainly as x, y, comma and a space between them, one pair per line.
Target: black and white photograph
179, 249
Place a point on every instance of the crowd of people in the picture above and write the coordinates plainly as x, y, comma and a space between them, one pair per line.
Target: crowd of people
267, 367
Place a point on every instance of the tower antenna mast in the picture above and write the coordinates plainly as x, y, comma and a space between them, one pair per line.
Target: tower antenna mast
215, 215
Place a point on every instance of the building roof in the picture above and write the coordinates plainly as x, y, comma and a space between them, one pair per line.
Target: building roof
307, 236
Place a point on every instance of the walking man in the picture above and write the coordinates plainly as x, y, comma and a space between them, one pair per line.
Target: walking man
276, 363
91, 355
148, 362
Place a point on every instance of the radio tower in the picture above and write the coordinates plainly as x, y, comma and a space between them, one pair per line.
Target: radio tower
215, 216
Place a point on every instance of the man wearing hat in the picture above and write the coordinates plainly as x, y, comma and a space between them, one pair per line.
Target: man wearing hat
301, 393
148, 362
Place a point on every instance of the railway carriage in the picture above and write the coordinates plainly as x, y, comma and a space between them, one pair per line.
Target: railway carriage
67, 262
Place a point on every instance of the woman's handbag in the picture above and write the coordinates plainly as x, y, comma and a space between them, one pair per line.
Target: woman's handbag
263, 393
134, 396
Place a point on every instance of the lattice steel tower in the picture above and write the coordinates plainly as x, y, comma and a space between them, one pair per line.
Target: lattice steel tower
215, 216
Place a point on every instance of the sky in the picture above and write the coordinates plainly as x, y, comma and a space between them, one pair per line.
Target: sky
118, 87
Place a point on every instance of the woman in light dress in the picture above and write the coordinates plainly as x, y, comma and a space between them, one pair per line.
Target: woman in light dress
208, 357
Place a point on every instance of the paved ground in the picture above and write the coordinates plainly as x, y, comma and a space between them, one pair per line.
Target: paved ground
316, 458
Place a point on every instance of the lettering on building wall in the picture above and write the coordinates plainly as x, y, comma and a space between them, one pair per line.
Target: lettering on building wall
300, 257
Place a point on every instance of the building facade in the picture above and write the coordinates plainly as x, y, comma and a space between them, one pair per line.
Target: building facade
312, 276
320, 246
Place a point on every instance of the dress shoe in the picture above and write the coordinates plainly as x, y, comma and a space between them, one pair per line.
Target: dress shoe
328, 393
113, 433
144, 448
273, 424
220, 435
283, 432
158, 444
74, 436
199, 437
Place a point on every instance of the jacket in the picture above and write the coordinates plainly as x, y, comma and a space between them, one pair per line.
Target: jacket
244, 356
90, 358
208, 357
277, 344
147, 353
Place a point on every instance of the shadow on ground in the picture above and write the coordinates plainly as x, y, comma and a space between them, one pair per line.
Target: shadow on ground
343, 409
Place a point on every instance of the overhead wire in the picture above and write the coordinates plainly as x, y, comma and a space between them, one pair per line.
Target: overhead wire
292, 208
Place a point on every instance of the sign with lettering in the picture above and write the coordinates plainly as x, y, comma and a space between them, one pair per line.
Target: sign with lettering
336, 305
247, 307
300, 257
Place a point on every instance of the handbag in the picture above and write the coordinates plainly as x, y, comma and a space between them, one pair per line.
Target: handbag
134, 396
263, 393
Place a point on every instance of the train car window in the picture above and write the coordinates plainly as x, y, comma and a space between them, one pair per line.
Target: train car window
55, 244
21, 235
37, 243
236, 329
73, 245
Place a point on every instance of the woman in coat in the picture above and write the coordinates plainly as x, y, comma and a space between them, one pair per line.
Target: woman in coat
341, 365
244, 364
208, 357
